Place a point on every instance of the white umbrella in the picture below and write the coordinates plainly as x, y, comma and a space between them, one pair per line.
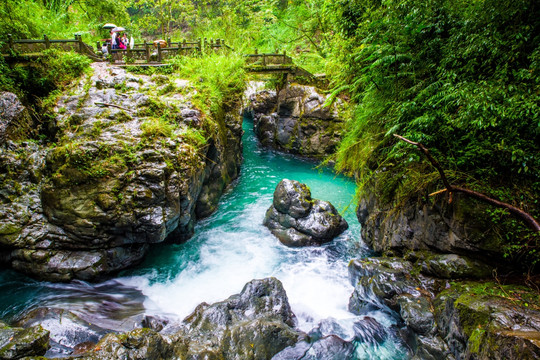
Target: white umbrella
118, 29
109, 26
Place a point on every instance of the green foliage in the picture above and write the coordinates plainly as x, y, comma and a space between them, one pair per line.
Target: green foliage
60, 19
219, 78
194, 137
461, 78
156, 127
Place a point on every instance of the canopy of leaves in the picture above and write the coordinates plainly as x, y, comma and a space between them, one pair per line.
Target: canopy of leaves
460, 77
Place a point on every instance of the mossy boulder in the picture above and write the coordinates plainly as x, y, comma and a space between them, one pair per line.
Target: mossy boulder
255, 324
117, 178
488, 320
17, 343
451, 320
298, 220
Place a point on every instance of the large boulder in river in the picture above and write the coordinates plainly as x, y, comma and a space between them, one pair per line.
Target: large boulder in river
297, 121
298, 220
138, 171
15, 120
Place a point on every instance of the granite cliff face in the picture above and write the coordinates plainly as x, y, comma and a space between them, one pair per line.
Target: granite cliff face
296, 121
134, 163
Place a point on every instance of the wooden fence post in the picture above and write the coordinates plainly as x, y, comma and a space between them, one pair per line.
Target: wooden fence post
81, 44
47, 42
159, 52
147, 48
168, 42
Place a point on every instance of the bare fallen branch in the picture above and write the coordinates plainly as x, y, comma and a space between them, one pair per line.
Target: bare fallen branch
111, 105
525, 216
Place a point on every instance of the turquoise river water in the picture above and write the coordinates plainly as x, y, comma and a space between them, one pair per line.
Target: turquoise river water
229, 248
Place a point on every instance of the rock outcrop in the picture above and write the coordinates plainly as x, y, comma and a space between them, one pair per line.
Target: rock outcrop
296, 121
437, 226
441, 319
135, 171
17, 343
298, 220
15, 120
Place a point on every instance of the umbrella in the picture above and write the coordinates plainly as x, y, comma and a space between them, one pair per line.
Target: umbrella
162, 43
109, 26
118, 29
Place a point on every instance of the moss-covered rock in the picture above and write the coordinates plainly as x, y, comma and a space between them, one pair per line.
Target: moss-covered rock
15, 120
297, 220
436, 226
255, 324
451, 320
137, 171
16, 343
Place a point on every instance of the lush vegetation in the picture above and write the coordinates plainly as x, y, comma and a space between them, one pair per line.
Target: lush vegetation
461, 77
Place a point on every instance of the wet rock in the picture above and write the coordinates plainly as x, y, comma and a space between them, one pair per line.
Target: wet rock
257, 323
327, 348
432, 348
437, 226
378, 281
139, 344
298, 220
296, 121
155, 323
16, 343
115, 184
487, 326
15, 120
66, 329
452, 266
416, 311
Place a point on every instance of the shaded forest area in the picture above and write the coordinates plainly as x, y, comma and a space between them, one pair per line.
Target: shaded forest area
460, 77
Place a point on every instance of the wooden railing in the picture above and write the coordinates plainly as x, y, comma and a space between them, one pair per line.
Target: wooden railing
269, 59
32, 47
155, 53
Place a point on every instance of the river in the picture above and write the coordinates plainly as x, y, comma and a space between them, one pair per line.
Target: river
229, 248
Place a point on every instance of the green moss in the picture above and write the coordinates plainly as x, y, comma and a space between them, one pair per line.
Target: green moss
156, 127
169, 88
476, 340
9, 229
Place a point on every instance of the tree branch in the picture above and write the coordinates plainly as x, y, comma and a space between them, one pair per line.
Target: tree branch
525, 216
